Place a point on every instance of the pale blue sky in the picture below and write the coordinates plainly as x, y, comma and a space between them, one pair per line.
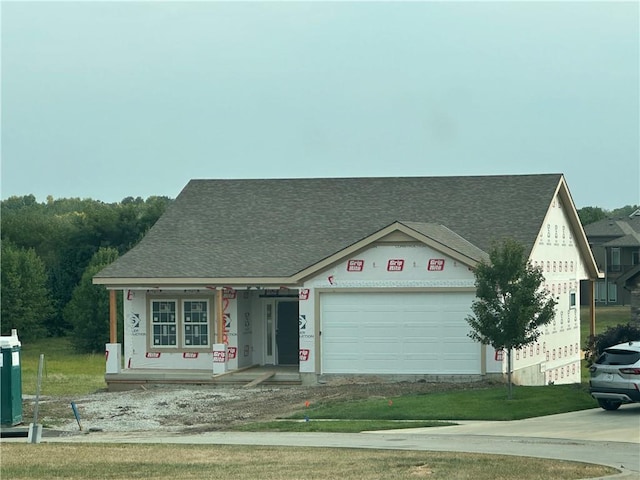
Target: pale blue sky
115, 99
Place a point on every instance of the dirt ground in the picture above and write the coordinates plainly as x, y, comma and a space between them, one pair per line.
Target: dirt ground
206, 408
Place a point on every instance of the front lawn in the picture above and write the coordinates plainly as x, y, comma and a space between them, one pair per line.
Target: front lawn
478, 404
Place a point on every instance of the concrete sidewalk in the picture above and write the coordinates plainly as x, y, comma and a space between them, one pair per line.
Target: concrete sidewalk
594, 425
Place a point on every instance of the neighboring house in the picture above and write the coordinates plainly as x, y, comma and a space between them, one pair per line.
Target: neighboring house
344, 276
615, 243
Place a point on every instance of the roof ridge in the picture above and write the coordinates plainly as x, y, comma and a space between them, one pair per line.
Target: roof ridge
628, 230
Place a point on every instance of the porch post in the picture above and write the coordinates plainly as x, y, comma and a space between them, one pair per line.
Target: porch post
113, 313
220, 315
592, 308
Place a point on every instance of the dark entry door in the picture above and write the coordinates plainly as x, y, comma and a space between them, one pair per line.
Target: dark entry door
287, 333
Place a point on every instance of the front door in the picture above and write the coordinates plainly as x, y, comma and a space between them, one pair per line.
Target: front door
287, 333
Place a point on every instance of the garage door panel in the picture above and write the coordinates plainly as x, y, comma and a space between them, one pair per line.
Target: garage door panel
411, 333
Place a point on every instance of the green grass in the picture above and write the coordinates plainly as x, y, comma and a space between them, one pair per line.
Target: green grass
481, 404
64, 372
605, 317
336, 426
238, 462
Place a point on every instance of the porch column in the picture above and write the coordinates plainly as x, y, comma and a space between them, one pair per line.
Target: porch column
592, 308
113, 314
220, 315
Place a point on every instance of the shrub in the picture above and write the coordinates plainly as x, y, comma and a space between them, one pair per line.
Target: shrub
620, 333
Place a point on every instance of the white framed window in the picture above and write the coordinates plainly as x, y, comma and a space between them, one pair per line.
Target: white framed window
613, 292
601, 292
635, 257
164, 323
195, 323
180, 324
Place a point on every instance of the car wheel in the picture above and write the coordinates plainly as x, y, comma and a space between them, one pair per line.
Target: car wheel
609, 404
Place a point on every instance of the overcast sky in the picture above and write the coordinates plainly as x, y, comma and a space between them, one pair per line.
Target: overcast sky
116, 99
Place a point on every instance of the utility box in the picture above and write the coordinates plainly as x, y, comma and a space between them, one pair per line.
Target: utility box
10, 380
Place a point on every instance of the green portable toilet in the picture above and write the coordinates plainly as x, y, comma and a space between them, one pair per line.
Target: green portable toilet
10, 380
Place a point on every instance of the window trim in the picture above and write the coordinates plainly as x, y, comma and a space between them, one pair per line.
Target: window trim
152, 324
180, 300
208, 322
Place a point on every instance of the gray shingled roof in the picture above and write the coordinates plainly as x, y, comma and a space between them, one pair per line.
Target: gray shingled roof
278, 227
445, 236
613, 227
626, 241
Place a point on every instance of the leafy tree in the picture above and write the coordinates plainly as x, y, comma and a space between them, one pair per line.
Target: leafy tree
611, 336
589, 215
88, 309
510, 306
623, 211
17, 203
26, 302
65, 234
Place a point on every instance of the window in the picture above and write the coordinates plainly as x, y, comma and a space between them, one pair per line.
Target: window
612, 356
635, 257
196, 324
613, 292
181, 324
601, 292
615, 259
572, 299
165, 323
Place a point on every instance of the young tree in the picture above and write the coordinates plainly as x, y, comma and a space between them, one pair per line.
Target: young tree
88, 309
510, 306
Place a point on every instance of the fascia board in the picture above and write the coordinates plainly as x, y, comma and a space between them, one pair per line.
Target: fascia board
233, 282
581, 239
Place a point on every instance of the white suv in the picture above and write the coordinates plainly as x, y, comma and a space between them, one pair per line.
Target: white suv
615, 376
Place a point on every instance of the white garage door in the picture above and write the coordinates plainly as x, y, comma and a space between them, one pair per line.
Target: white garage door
397, 333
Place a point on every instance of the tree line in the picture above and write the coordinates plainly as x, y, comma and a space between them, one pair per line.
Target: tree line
51, 251
594, 214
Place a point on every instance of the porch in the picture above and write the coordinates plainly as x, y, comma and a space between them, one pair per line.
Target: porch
130, 379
